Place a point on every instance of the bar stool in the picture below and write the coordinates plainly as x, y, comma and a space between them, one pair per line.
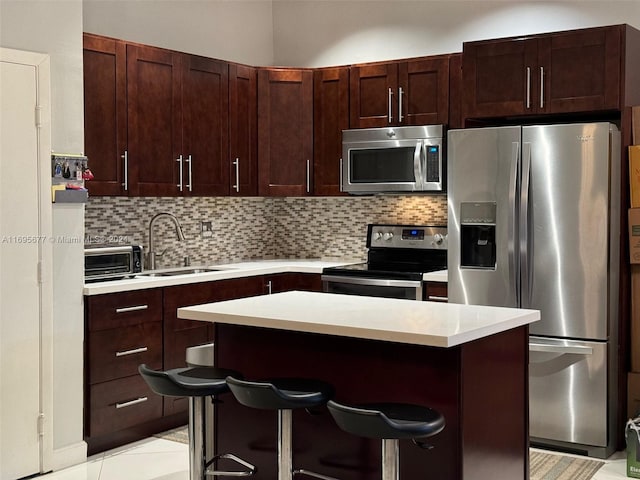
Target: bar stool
283, 395
388, 422
196, 383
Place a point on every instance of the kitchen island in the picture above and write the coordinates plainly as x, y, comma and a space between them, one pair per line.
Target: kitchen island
468, 362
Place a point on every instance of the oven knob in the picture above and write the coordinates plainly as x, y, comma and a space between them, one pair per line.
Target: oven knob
437, 239
377, 236
388, 236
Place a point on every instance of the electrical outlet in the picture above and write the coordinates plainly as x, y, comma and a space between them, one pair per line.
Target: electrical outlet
206, 229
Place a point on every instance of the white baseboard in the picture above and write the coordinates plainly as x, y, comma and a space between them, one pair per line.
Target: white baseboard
69, 456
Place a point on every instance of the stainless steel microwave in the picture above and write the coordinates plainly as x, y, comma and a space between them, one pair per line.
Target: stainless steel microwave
393, 159
112, 262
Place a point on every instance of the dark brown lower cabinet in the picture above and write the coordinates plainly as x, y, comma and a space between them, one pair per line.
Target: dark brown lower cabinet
435, 292
126, 329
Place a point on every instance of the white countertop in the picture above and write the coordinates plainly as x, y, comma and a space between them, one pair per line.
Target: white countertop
439, 276
405, 321
226, 271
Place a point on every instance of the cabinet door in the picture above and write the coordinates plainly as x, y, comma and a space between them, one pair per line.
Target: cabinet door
425, 91
498, 78
154, 120
580, 70
285, 131
205, 141
286, 282
243, 130
372, 95
105, 113
330, 117
455, 91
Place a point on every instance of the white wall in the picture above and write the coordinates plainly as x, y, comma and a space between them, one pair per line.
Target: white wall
55, 28
319, 33
241, 31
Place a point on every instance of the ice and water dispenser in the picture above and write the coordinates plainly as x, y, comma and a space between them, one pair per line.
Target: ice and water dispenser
478, 235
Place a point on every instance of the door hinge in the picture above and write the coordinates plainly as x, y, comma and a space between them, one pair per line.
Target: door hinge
40, 272
38, 116
41, 424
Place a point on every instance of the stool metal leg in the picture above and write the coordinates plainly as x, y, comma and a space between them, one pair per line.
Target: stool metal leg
390, 467
285, 445
196, 438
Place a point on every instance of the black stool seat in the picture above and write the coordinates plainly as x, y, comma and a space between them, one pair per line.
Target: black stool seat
280, 393
387, 420
188, 382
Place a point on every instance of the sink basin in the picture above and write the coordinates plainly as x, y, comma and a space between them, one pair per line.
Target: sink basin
177, 271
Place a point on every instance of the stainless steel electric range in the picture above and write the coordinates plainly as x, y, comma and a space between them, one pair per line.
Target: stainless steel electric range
397, 258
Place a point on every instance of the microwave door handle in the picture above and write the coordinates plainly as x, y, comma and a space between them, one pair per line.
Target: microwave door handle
417, 166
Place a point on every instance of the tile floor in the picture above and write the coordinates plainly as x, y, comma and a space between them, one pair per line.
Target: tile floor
158, 459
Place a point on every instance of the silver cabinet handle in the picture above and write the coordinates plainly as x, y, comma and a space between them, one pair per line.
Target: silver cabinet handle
390, 95
131, 352
541, 87
131, 402
308, 175
131, 309
528, 87
435, 298
577, 349
179, 160
125, 157
400, 95
190, 184
237, 185
341, 176
269, 287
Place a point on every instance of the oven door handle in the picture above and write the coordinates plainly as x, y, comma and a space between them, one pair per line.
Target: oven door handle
375, 282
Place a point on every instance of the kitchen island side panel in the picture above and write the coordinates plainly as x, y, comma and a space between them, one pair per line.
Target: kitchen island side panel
366, 371
495, 412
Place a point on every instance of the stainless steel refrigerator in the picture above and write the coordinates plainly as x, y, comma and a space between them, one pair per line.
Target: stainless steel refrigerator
534, 223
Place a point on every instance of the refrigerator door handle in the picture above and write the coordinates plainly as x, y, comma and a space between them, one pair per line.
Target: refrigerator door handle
576, 349
513, 185
525, 254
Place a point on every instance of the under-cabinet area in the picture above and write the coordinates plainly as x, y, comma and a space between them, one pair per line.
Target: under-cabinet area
128, 328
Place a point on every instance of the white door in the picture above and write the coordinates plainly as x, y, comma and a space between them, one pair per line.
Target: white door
25, 237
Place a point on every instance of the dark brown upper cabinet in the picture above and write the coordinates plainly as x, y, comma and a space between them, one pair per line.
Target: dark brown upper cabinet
178, 123
285, 132
330, 117
243, 130
205, 140
565, 72
412, 92
105, 113
156, 121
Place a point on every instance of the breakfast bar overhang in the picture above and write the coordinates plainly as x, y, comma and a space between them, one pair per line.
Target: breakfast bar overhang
468, 362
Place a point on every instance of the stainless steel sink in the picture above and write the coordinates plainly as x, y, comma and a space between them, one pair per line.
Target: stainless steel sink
177, 271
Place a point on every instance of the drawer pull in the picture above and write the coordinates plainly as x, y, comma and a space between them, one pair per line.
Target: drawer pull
131, 352
131, 309
438, 299
131, 402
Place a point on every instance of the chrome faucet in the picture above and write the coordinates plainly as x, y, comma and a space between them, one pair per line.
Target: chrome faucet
151, 256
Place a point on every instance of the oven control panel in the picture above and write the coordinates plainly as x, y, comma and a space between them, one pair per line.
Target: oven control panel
407, 236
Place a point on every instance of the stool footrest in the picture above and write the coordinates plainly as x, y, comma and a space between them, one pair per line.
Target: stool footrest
302, 471
251, 469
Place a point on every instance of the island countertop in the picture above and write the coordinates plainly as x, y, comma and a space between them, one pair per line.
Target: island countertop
394, 320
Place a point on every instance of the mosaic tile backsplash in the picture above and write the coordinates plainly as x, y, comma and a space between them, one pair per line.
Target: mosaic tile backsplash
256, 227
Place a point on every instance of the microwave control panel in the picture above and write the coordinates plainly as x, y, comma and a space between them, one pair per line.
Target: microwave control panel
433, 163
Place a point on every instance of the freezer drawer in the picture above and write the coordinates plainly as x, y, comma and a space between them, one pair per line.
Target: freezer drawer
568, 390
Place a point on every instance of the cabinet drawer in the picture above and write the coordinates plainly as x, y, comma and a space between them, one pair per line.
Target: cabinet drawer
117, 352
123, 309
121, 404
436, 292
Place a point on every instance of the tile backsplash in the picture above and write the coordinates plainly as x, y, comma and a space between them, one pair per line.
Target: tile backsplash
256, 227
